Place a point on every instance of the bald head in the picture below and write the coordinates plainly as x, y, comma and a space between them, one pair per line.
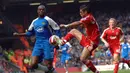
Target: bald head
41, 6
41, 10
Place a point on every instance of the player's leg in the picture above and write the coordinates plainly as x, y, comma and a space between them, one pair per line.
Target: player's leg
66, 62
66, 66
84, 42
35, 57
116, 58
126, 61
89, 46
84, 58
73, 33
34, 62
48, 56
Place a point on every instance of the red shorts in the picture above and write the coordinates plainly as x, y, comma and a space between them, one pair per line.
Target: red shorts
86, 42
115, 49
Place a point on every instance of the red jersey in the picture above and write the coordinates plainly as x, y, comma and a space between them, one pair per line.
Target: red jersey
91, 27
112, 36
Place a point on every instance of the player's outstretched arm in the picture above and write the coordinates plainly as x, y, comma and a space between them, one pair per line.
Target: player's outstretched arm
76, 23
69, 50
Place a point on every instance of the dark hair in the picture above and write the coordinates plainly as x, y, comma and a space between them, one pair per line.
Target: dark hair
85, 8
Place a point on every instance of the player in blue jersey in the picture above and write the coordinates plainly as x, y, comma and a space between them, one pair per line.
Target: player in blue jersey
125, 49
42, 27
65, 55
125, 52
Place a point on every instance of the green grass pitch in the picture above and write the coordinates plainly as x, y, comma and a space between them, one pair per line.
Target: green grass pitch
120, 71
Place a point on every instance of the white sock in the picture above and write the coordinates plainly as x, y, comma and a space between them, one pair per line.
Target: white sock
66, 68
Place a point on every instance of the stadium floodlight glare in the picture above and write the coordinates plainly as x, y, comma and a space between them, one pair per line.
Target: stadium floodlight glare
34, 4
68, 1
82, 1
51, 3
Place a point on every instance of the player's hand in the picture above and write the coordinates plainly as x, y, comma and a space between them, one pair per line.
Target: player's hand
15, 34
107, 45
68, 51
62, 25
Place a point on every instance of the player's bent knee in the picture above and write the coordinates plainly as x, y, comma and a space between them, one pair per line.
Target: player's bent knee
73, 31
116, 58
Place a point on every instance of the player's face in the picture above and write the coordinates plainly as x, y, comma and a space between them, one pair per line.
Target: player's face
112, 23
41, 11
83, 13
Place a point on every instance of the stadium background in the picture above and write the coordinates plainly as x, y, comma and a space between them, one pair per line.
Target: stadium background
16, 16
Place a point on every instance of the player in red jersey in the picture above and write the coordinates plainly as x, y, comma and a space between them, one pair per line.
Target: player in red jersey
89, 42
112, 36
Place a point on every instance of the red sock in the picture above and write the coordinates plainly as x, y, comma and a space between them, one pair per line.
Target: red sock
116, 68
125, 61
91, 66
68, 37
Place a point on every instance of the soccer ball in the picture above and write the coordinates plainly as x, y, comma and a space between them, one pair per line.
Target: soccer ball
54, 40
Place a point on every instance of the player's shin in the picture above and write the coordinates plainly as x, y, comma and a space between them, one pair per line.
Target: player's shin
68, 37
66, 68
116, 67
90, 65
49, 65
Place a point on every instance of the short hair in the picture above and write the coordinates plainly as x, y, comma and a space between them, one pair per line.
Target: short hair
42, 6
113, 19
85, 8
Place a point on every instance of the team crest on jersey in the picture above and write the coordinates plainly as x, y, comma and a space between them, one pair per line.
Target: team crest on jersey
43, 23
93, 22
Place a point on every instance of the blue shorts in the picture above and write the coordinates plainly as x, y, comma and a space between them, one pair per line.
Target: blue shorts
43, 49
125, 57
65, 57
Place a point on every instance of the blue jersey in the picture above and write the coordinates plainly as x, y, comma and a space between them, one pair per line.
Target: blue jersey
65, 48
125, 50
43, 28
64, 55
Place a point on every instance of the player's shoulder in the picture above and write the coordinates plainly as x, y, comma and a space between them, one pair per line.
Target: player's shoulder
35, 19
106, 29
118, 28
48, 18
86, 18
